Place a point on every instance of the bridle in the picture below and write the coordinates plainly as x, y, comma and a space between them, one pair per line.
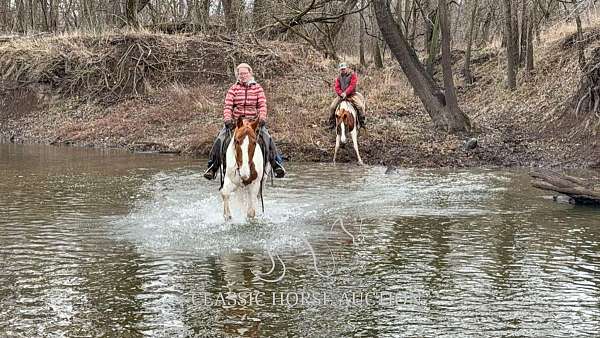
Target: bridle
252, 138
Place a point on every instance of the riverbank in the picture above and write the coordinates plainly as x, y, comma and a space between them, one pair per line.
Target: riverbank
147, 91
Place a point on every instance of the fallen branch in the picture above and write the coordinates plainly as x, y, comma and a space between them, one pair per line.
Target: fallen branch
579, 190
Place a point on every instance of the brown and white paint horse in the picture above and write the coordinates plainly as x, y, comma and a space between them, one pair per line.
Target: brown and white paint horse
244, 167
346, 121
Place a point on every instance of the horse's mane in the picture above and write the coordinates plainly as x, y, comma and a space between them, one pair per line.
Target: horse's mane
345, 104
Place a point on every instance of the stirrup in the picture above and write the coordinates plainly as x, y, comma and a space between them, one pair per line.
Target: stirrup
210, 174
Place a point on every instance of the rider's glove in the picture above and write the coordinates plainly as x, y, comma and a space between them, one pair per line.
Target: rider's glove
229, 124
262, 123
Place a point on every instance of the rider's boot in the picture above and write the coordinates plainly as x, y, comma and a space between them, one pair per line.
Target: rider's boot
331, 121
211, 172
276, 164
214, 160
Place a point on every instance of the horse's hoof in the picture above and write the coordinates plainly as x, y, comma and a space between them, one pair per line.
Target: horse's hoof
360, 163
227, 218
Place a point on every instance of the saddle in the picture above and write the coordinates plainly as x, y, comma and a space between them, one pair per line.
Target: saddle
353, 103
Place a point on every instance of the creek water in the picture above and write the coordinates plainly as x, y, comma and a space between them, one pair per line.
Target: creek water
110, 243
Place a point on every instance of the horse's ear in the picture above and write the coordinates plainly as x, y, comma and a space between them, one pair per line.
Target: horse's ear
240, 122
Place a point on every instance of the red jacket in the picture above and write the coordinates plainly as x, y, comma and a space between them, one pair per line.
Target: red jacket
245, 99
351, 87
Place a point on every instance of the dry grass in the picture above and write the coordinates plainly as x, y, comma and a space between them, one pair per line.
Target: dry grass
181, 113
111, 65
564, 28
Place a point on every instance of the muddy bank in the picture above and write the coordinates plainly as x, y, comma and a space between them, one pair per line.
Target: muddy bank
183, 114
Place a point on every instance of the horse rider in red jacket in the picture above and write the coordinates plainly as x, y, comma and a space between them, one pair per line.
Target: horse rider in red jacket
245, 98
345, 88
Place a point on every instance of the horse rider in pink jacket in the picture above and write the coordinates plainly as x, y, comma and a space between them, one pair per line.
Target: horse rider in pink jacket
245, 98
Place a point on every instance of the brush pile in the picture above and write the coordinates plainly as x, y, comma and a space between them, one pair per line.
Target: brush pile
116, 65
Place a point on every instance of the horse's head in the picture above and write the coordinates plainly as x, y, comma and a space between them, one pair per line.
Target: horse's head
344, 119
245, 145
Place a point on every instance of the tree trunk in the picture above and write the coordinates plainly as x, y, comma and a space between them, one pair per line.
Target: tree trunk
182, 9
47, 8
399, 19
20, 25
580, 54
377, 53
485, 29
202, 13
4, 15
455, 117
523, 33
133, 7
408, 9
422, 83
529, 61
131, 13
259, 13
32, 11
427, 25
376, 50
467, 68
114, 13
434, 43
75, 17
361, 39
511, 76
230, 13
415, 16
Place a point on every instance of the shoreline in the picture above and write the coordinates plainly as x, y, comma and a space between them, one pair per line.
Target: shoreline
392, 166
182, 112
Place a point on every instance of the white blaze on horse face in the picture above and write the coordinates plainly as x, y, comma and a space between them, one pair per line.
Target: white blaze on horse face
245, 169
343, 136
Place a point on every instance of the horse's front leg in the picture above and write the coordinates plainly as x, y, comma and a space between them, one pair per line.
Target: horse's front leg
253, 190
225, 194
337, 146
355, 143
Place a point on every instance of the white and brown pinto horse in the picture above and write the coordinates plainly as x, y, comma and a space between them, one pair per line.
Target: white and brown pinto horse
346, 122
244, 167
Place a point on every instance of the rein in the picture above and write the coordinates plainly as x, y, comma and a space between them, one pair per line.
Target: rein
224, 162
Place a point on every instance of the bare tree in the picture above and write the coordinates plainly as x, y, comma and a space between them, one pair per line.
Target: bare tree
529, 57
579, 36
376, 51
452, 120
511, 76
133, 7
361, 39
467, 68
456, 119
260, 12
